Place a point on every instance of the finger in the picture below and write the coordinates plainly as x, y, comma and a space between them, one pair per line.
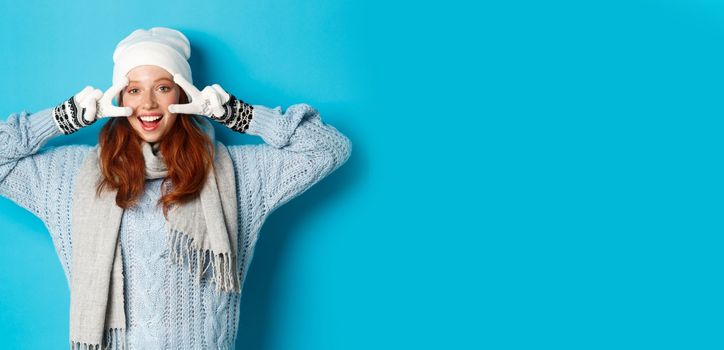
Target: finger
107, 109
90, 105
222, 93
188, 108
191, 91
115, 89
81, 96
96, 95
113, 111
216, 108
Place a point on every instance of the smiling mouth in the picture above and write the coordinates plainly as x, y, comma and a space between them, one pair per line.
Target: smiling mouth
150, 122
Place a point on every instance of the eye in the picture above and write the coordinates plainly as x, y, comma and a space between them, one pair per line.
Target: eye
132, 90
167, 88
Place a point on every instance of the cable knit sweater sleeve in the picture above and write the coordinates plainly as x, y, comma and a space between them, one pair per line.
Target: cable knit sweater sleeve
40, 179
299, 151
21, 169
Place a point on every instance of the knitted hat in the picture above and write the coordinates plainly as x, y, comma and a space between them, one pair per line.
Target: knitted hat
164, 47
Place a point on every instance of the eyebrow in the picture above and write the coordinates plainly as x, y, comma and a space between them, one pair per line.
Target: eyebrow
136, 81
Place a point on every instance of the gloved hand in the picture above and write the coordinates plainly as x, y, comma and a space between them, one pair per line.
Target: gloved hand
215, 103
85, 107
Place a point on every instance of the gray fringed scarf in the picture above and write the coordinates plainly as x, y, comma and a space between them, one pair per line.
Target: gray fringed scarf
206, 225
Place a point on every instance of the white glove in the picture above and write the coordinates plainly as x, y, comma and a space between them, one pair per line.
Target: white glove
105, 104
208, 102
90, 104
215, 103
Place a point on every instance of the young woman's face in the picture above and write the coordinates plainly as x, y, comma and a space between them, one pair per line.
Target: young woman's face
149, 92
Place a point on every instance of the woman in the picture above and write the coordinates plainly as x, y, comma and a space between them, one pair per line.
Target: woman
156, 225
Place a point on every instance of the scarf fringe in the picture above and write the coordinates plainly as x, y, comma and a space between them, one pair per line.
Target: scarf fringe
115, 338
183, 250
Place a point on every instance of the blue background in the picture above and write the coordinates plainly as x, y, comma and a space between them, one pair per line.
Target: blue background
524, 174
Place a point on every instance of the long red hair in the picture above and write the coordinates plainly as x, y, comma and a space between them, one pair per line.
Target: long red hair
186, 149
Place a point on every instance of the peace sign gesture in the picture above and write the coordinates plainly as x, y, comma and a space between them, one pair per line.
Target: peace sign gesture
105, 104
208, 102
87, 106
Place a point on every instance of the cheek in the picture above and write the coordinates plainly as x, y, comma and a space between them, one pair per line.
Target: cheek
134, 122
170, 99
171, 120
129, 102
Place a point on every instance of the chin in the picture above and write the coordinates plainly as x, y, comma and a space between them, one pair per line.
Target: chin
150, 139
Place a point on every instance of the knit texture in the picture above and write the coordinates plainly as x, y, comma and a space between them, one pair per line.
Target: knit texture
165, 309
237, 114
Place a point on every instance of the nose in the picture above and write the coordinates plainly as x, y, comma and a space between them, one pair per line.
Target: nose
148, 100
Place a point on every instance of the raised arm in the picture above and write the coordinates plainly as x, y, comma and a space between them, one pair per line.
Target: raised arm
41, 179
299, 151
23, 170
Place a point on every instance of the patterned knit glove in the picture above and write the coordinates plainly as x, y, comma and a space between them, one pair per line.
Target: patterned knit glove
215, 103
85, 107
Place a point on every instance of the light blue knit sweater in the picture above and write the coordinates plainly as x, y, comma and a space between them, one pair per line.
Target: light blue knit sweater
165, 309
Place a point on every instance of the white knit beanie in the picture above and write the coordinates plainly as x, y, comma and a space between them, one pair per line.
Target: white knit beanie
164, 47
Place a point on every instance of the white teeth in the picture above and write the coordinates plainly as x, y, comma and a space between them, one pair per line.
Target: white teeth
150, 118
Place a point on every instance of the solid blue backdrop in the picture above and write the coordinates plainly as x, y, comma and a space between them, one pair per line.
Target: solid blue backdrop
524, 174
